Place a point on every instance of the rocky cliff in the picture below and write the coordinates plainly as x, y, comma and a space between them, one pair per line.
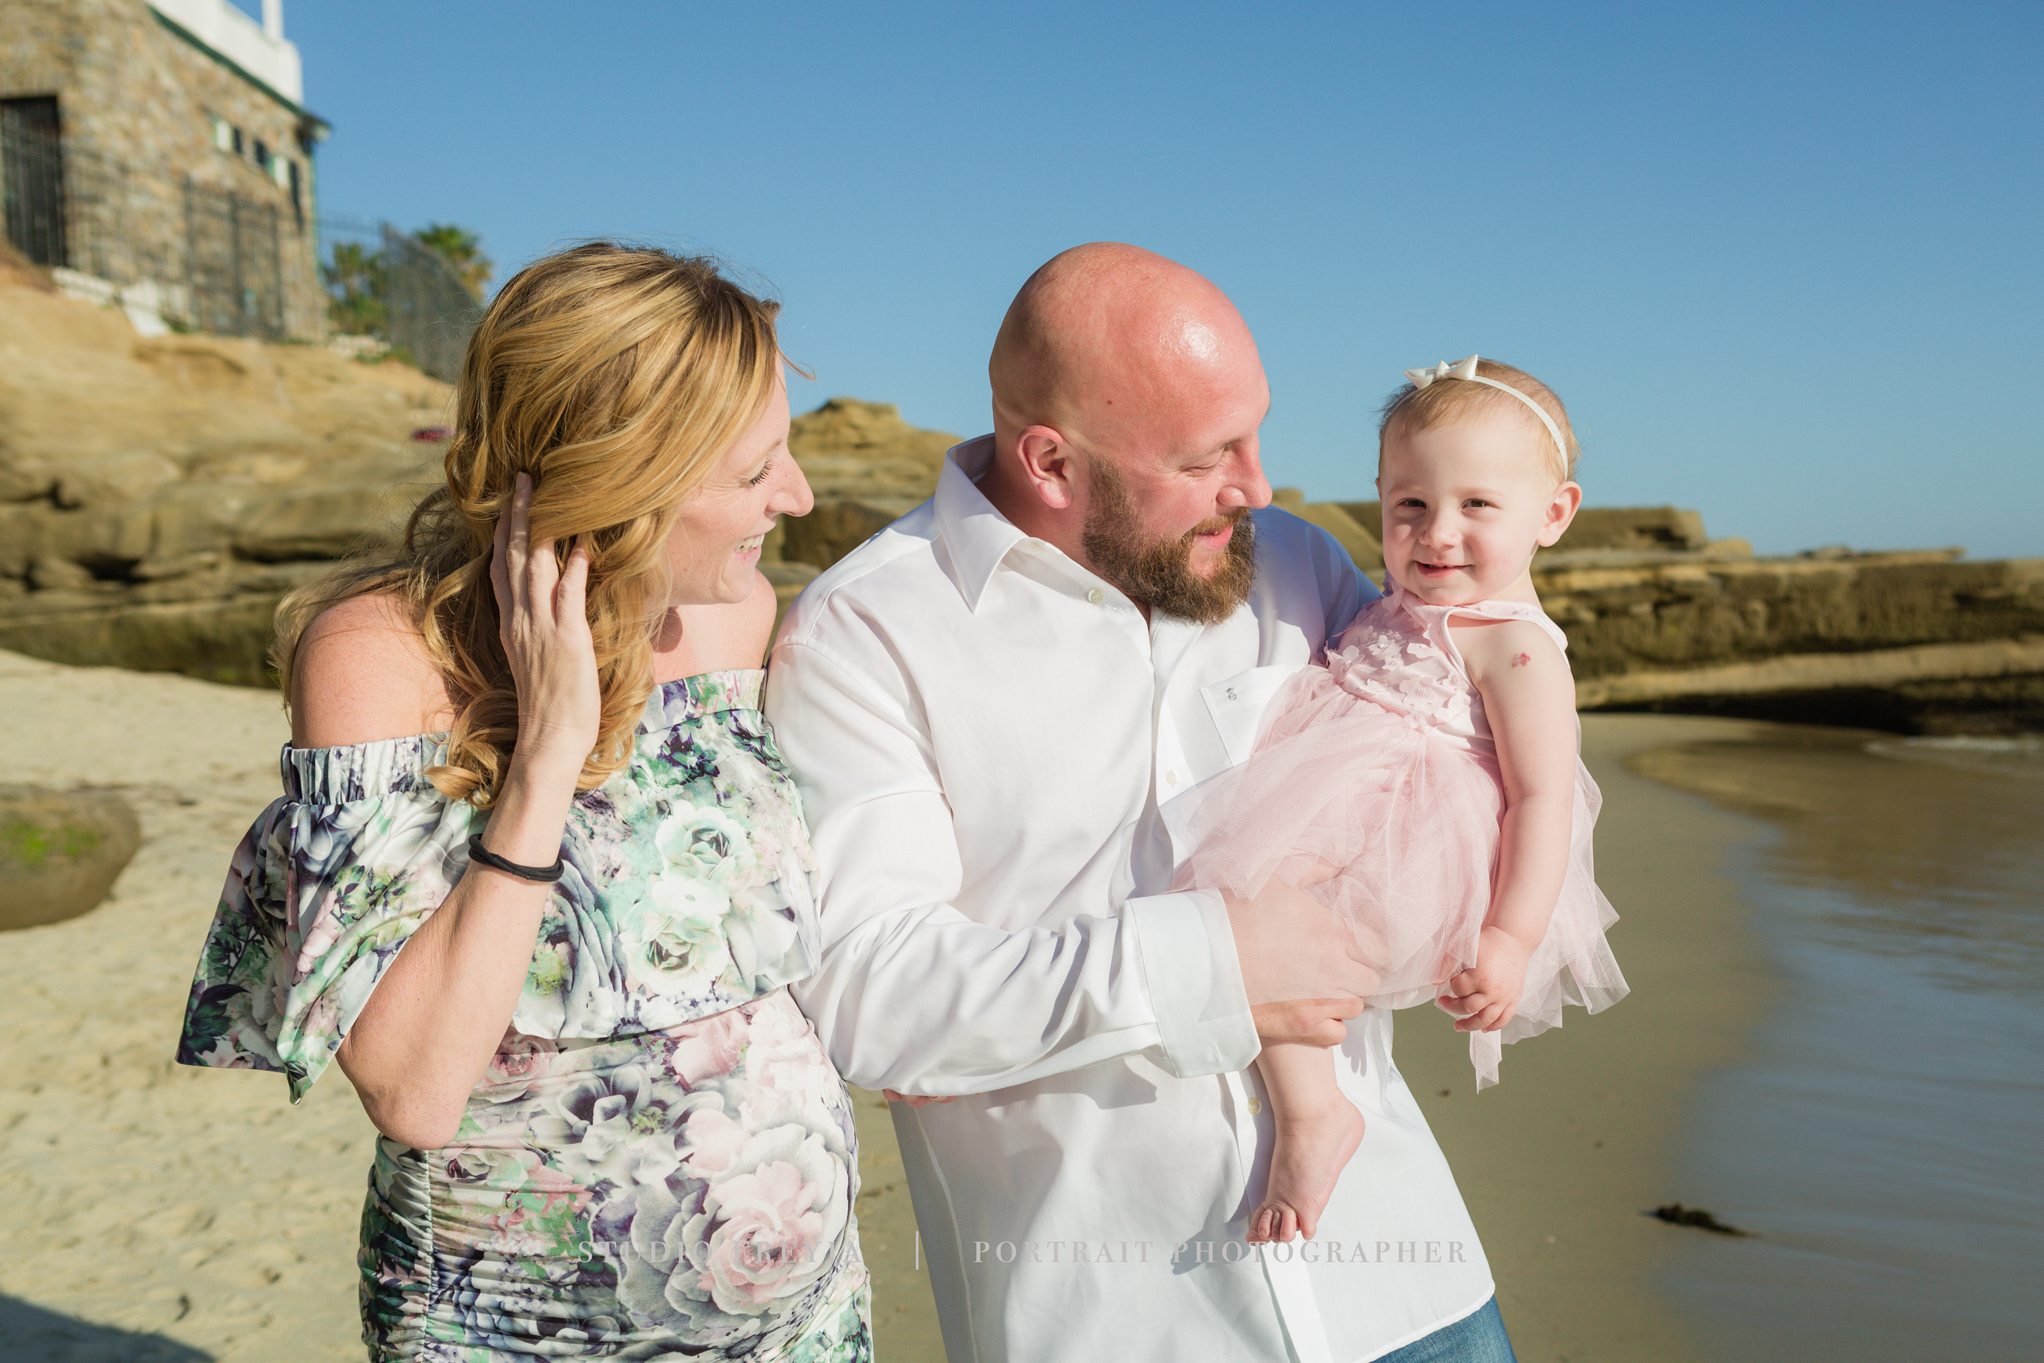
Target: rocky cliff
158, 497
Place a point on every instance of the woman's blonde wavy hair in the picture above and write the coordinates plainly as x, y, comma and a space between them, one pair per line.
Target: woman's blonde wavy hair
616, 377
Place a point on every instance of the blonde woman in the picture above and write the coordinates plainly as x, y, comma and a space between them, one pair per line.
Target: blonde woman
538, 879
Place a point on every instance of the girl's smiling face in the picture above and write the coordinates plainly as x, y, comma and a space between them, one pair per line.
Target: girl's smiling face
1466, 504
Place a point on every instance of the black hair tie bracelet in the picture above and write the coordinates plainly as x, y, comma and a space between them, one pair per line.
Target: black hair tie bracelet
545, 875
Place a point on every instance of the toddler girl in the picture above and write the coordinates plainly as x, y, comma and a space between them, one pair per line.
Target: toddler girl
1423, 780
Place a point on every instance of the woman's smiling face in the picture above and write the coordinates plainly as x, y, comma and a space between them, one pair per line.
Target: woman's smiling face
1465, 506
713, 549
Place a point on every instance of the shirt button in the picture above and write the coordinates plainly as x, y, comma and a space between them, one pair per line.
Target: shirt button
1095, 596
1254, 1107
1172, 777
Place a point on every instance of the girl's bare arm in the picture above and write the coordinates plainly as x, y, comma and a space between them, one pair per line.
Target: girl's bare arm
1529, 697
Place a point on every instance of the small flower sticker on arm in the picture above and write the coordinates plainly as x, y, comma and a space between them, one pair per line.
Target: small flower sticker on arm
1520, 660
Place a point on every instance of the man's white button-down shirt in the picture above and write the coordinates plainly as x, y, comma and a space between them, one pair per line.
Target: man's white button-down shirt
986, 736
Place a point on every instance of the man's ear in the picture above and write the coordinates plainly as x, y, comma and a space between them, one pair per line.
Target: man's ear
1050, 464
1567, 500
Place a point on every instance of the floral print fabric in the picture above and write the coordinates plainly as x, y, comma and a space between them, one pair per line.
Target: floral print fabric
691, 1186
661, 1158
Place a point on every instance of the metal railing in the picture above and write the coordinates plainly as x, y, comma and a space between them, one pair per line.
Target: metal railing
234, 264
210, 258
387, 284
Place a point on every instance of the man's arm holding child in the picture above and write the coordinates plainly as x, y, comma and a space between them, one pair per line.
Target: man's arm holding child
913, 995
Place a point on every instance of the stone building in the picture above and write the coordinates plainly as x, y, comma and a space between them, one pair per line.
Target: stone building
159, 153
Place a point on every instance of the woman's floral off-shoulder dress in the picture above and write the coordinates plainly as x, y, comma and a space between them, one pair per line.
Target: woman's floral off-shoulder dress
660, 1160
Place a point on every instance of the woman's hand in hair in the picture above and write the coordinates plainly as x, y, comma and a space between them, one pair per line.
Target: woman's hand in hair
543, 621
425, 1037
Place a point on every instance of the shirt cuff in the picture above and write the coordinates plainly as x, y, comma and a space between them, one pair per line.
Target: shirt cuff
1187, 953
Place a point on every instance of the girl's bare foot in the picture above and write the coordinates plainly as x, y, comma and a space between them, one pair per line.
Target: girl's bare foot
1311, 1151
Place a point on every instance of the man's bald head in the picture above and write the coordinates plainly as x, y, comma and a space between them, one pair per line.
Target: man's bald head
1115, 346
1127, 399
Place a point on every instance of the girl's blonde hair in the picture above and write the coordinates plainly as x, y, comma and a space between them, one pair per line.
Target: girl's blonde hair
615, 377
1448, 400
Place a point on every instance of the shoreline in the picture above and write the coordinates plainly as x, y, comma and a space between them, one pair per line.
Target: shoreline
1882, 1140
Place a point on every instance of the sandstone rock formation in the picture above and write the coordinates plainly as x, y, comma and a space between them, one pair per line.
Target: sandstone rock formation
1662, 617
1911, 642
60, 852
867, 468
1341, 521
157, 497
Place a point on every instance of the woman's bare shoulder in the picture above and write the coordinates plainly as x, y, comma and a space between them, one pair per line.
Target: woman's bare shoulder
721, 638
362, 674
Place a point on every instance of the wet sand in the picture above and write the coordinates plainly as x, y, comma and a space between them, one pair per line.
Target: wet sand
1884, 1137
167, 1213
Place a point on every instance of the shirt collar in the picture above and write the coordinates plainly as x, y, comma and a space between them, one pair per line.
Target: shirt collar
977, 537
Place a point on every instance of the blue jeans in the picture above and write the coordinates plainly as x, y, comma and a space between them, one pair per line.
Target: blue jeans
1478, 1337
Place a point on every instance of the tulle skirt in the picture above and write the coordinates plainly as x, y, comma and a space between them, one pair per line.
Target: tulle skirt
1396, 828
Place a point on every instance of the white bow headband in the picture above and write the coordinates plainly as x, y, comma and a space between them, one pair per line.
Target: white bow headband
1466, 369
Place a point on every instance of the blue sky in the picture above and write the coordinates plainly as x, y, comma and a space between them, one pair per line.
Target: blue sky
1781, 260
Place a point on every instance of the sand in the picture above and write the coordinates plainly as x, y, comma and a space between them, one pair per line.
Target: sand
165, 1213
155, 1211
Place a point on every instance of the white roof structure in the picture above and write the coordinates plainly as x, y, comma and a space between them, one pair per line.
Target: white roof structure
259, 49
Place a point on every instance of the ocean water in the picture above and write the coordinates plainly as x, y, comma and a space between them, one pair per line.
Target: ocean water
1884, 1139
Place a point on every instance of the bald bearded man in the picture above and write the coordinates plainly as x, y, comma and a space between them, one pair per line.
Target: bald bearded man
989, 708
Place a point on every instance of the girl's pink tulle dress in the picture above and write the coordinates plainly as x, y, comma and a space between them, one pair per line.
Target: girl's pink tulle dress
1379, 765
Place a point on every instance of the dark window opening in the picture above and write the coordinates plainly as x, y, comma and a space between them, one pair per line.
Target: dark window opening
32, 170
262, 154
237, 142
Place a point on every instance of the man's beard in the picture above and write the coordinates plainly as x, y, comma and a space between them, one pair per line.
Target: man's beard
1158, 573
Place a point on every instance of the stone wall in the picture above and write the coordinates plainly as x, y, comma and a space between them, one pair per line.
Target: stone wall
140, 104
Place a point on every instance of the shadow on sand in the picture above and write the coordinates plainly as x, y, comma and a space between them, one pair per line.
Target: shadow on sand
31, 1334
